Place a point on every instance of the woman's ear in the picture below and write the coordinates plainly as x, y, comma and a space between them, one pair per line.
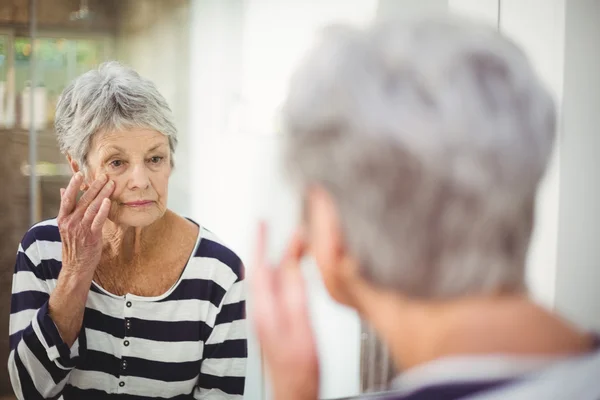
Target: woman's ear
75, 167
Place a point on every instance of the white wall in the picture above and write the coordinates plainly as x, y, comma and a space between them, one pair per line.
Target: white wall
388, 9
578, 275
153, 39
561, 38
486, 11
538, 27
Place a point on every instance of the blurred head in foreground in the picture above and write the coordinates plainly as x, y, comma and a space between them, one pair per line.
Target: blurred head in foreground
419, 148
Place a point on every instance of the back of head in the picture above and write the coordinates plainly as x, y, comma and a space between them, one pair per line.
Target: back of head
432, 137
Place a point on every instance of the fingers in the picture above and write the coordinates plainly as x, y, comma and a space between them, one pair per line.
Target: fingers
101, 216
295, 251
69, 196
291, 287
281, 319
279, 295
94, 207
262, 283
95, 188
294, 298
260, 252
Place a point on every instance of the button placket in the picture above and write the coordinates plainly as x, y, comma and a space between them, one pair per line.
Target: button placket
127, 311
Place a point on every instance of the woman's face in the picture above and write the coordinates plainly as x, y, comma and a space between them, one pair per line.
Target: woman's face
139, 163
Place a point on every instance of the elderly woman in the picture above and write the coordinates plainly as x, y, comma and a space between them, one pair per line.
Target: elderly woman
120, 297
419, 148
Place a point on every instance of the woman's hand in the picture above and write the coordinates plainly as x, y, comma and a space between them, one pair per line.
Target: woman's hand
80, 224
282, 322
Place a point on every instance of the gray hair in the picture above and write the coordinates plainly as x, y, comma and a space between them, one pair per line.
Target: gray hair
431, 137
112, 97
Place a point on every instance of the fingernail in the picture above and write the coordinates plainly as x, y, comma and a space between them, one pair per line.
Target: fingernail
79, 175
103, 178
111, 183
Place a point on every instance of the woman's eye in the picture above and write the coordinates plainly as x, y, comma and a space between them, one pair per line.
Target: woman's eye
156, 159
116, 163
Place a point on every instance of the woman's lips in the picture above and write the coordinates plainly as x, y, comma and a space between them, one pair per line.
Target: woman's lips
139, 203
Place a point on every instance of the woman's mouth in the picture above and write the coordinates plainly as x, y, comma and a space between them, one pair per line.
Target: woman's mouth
138, 203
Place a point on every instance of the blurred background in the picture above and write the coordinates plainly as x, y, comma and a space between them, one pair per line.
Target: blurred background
223, 66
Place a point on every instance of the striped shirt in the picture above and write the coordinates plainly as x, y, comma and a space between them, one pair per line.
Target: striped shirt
498, 377
189, 343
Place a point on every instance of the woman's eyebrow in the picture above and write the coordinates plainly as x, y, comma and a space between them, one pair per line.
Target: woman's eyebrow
156, 147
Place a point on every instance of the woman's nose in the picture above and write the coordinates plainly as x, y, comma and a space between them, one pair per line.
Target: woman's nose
139, 178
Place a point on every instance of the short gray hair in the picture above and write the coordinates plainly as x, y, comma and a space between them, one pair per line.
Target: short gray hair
432, 137
109, 98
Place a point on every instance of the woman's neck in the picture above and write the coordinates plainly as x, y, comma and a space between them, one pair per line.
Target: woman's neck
128, 244
495, 324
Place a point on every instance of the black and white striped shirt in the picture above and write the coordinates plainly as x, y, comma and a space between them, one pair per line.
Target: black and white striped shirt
189, 343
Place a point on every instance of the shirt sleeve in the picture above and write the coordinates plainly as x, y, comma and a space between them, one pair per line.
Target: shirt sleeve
223, 370
39, 361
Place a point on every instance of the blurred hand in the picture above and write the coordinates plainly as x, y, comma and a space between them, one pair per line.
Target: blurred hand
80, 224
282, 322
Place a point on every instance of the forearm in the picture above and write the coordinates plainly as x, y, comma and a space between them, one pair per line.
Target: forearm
37, 370
40, 360
67, 303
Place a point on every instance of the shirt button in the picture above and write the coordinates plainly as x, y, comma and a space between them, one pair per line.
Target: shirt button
128, 304
124, 364
128, 324
121, 383
126, 343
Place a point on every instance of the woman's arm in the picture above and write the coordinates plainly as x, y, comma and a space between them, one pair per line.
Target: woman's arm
47, 306
40, 361
223, 371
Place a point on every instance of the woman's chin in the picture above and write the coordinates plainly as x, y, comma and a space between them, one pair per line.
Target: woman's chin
137, 218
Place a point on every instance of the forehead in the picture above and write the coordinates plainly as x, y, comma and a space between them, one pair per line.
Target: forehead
130, 140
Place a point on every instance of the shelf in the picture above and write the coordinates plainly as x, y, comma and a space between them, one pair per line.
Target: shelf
48, 132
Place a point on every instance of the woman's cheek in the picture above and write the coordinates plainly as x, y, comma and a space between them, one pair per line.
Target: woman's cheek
117, 191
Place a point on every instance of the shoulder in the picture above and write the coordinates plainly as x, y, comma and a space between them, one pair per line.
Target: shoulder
211, 247
574, 378
45, 232
40, 250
